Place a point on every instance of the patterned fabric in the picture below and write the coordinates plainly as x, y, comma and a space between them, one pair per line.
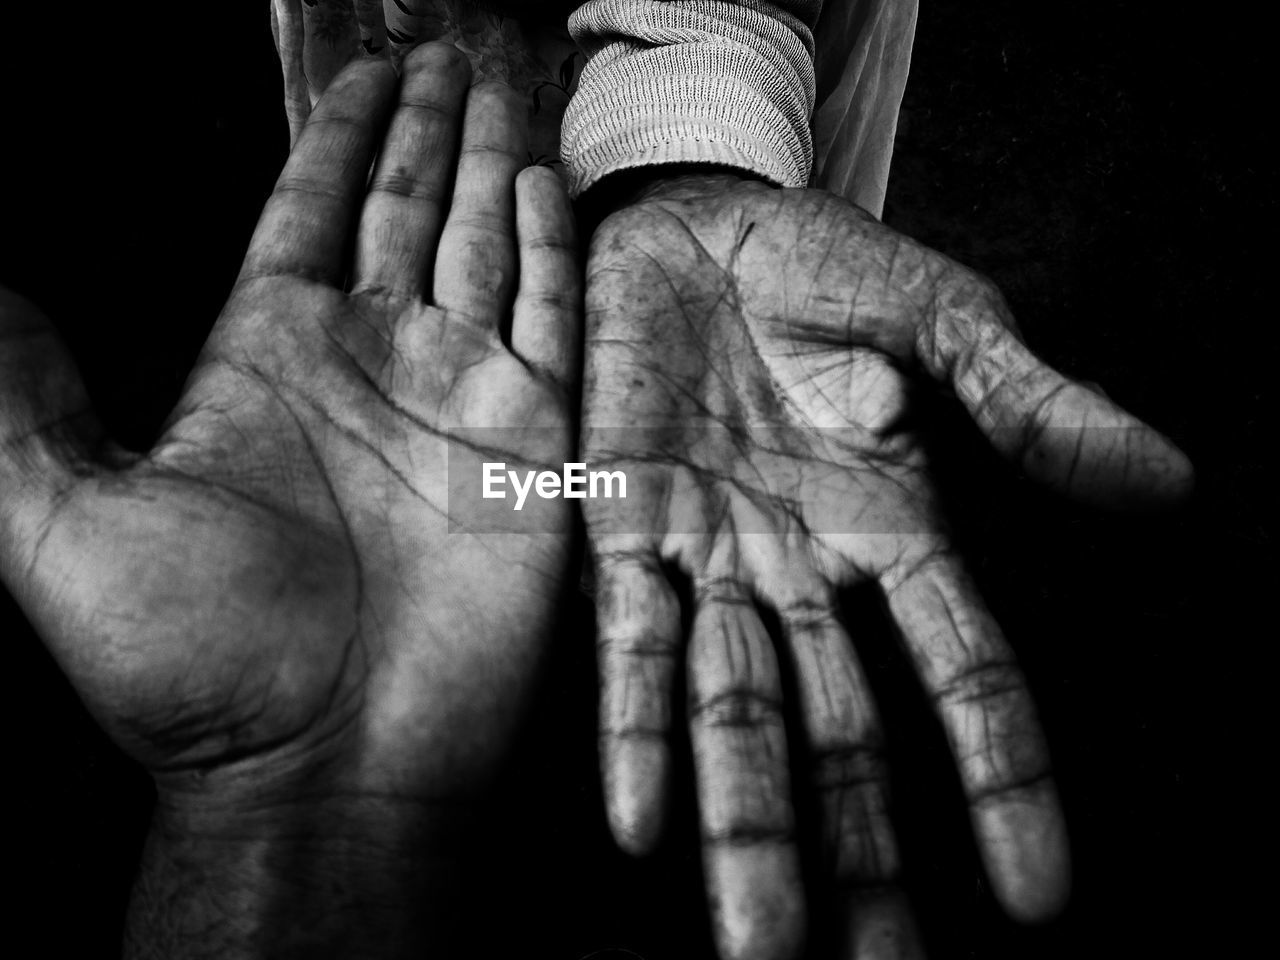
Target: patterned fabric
703, 81
792, 90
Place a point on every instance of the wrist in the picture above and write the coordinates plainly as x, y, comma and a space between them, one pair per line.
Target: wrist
711, 83
349, 876
667, 182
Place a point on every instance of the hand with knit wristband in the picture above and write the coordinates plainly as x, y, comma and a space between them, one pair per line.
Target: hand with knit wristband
751, 350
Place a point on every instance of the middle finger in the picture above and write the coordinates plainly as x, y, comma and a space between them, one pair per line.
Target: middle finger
744, 788
475, 273
401, 222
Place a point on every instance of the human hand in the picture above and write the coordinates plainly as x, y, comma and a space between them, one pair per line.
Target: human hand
523, 43
276, 609
750, 353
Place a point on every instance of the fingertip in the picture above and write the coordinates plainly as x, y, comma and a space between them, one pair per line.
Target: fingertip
542, 199
437, 56
1173, 476
635, 783
878, 925
363, 93
1095, 452
539, 187
362, 70
539, 177
495, 94
1152, 472
757, 901
1027, 854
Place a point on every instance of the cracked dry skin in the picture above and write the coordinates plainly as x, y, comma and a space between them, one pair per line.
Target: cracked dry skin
751, 355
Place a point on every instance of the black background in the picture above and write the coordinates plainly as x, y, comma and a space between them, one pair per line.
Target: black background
1107, 164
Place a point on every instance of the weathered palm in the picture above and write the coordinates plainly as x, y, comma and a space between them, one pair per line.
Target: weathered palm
283, 591
749, 353
280, 571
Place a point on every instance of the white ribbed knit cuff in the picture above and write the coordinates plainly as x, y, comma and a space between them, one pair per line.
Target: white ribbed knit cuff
702, 81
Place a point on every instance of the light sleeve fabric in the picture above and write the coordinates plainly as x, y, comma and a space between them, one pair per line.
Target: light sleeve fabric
797, 92
736, 84
699, 81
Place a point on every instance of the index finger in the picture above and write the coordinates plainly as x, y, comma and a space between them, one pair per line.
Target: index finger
307, 223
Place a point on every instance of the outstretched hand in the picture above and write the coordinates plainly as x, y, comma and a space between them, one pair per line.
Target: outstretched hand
749, 358
277, 610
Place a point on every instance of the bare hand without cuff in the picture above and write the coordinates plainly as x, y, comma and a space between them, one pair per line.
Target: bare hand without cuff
270, 609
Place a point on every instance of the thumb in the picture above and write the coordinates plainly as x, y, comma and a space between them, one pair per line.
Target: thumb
1062, 433
47, 429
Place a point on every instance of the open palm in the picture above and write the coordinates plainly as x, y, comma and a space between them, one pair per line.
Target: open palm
749, 358
282, 598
